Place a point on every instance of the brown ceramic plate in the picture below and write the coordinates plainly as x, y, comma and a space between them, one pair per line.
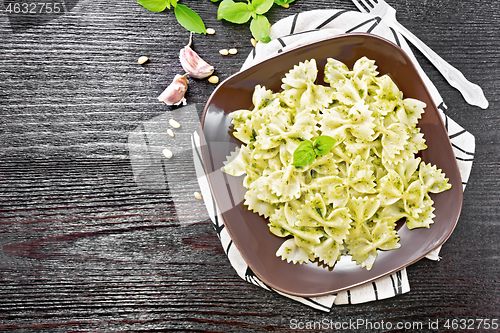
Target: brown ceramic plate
249, 231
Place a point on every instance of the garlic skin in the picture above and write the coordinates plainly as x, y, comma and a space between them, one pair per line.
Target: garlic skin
174, 93
193, 64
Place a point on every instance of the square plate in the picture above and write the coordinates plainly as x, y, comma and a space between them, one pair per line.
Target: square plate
249, 231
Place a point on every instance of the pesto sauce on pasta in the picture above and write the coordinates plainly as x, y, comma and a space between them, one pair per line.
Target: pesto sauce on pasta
346, 202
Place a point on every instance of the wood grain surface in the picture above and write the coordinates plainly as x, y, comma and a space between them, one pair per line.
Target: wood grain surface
83, 248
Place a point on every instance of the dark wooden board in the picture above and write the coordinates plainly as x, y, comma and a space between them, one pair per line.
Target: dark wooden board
83, 248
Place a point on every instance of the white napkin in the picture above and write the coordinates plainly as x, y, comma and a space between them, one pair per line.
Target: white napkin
305, 28
153, 171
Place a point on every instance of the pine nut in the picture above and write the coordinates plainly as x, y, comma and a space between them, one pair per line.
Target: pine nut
170, 132
213, 79
224, 52
167, 153
197, 195
233, 51
142, 60
174, 123
210, 31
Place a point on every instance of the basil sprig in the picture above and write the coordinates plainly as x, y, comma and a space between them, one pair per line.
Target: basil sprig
307, 151
260, 28
186, 17
240, 12
229, 10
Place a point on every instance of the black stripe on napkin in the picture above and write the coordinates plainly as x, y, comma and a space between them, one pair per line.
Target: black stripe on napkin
374, 24
229, 246
457, 134
249, 272
398, 43
465, 159
282, 44
294, 23
374, 285
217, 225
462, 150
229, 192
316, 303
252, 278
398, 288
441, 105
376, 19
400, 282
304, 32
331, 18
394, 285
250, 275
443, 108
198, 155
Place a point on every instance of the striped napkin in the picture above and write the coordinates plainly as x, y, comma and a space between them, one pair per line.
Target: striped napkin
151, 168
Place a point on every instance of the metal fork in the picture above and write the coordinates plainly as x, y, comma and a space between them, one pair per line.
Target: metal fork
471, 92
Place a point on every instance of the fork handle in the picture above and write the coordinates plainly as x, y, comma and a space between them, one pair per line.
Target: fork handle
471, 92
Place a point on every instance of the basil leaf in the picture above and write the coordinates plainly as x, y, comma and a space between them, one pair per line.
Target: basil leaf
323, 144
283, 2
189, 19
235, 12
260, 28
172, 2
262, 6
154, 5
304, 154
223, 6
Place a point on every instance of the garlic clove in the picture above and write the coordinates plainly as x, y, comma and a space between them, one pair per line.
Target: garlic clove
174, 93
193, 64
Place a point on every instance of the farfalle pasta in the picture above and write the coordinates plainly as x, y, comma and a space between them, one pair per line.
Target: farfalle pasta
347, 201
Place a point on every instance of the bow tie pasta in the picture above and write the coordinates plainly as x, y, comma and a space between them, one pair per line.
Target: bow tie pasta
347, 201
